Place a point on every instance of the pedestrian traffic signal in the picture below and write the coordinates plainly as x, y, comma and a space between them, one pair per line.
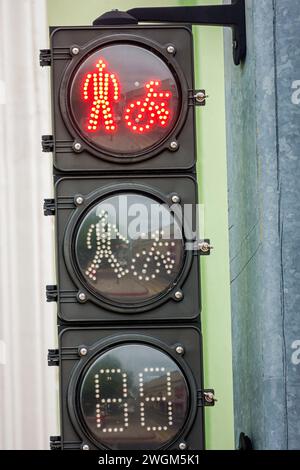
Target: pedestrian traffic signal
131, 387
122, 99
125, 202
125, 250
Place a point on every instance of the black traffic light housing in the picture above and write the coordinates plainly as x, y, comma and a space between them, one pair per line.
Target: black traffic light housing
92, 306
131, 374
80, 347
73, 151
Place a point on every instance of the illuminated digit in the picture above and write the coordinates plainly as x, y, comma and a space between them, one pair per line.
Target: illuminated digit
102, 89
164, 398
103, 401
149, 111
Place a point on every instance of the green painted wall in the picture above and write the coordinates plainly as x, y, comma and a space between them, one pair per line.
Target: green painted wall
216, 316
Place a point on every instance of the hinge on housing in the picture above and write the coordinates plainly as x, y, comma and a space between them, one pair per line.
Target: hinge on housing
49, 207
51, 293
197, 97
45, 57
47, 143
206, 397
55, 443
53, 357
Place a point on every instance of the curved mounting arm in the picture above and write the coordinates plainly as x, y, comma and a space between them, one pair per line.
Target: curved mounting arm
231, 15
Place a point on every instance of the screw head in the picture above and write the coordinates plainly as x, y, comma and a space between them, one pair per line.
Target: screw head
179, 349
209, 397
79, 200
182, 446
82, 296
75, 50
83, 351
200, 97
205, 247
171, 49
175, 198
174, 145
85, 447
178, 295
77, 146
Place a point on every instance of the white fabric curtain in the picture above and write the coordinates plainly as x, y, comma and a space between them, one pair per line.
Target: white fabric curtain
28, 390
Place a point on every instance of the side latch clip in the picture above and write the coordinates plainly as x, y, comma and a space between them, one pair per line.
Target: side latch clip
47, 143
45, 57
49, 207
53, 357
51, 293
55, 443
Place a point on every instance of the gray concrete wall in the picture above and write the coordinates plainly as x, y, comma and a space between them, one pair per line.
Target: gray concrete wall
263, 142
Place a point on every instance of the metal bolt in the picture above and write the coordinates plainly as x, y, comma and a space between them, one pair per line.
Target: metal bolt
77, 146
79, 200
174, 145
179, 350
75, 50
209, 397
205, 247
171, 49
82, 296
200, 97
175, 198
85, 447
178, 295
182, 446
83, 351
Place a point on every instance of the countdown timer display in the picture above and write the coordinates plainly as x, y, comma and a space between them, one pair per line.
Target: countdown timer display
124, 99
134, 396
120, 262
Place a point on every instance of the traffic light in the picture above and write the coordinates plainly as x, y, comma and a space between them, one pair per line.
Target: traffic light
125, 206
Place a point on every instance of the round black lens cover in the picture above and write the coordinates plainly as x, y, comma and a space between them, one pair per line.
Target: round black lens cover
134, 396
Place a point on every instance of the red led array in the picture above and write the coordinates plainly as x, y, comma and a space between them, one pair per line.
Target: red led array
102, 89
105, 88
151, 110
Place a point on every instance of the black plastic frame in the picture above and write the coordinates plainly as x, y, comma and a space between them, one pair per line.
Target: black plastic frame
143, 43
96, 307
73, 367
73, 399
72, 263
90, 158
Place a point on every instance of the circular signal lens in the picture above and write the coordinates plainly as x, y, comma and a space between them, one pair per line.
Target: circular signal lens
134, 396
129, 248
124, 99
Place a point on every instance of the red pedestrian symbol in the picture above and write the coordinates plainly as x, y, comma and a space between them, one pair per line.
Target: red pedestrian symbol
102, 89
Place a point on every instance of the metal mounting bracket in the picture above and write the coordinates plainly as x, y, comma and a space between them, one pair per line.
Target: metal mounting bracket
231, 15
245, 443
